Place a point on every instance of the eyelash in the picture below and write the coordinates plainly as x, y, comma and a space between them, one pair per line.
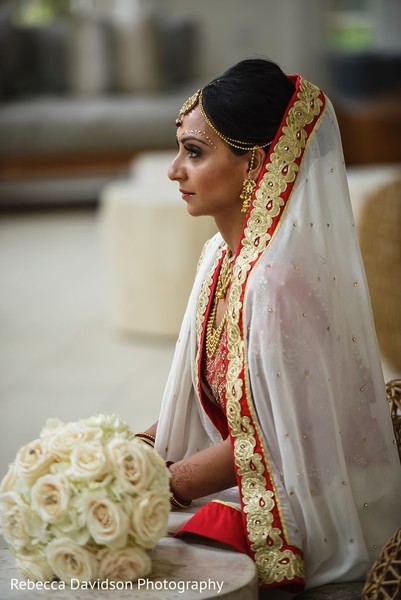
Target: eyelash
193, 151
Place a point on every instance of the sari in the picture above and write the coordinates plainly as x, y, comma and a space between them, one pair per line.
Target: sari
318, 473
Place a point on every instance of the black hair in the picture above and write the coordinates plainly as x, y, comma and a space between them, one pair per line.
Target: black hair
248, 101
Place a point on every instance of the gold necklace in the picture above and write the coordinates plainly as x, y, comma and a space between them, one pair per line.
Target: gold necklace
213, 334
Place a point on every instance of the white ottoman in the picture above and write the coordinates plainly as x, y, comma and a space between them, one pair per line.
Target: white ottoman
152, 247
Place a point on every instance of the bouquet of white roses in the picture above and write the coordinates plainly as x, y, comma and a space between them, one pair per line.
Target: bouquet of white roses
85, 501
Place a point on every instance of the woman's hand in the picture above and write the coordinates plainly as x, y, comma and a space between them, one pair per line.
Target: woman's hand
206, 472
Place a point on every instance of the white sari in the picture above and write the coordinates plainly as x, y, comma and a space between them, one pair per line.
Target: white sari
319, 478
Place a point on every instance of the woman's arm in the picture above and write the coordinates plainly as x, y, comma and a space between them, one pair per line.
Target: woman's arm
152, 429
206, 472
209, 471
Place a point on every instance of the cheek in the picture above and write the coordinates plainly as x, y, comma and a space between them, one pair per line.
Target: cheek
205, 178
221, 181
234, 185
212, 179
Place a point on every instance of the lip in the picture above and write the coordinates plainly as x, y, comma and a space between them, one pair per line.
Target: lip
185, 194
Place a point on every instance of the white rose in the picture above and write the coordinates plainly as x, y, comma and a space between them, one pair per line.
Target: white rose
49, 497
110, 425
66, 528
149, 518
32, 461
14, 520
61, 441
9, 479
127, 564
69, 560
161, 481
88, 462
34, 567
50, 427
132, 464
106, 521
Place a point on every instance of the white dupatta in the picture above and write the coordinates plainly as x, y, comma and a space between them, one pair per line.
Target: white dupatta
311, 383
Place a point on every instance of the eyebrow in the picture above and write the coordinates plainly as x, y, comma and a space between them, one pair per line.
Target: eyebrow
187, 138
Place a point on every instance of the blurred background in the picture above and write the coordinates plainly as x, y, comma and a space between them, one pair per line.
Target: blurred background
97, 254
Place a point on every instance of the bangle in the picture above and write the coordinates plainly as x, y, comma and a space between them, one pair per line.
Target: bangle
175, 501
147, 438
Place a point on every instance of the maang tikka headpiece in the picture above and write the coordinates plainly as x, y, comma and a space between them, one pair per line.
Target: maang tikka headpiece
188, 105
197, 98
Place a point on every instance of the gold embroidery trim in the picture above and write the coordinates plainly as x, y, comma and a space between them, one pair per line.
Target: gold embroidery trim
272, 562
202, 255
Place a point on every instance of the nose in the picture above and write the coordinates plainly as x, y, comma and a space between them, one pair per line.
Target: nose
174, 170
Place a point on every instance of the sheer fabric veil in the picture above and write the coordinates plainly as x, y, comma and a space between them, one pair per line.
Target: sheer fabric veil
315, 374
312, 386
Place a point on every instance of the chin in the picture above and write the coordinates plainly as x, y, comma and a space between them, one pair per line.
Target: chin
195, 212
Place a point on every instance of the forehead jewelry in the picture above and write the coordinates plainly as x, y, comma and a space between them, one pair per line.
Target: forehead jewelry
188, 105
197, 98
200, 133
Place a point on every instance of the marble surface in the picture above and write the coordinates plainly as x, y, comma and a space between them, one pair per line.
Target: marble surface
180, 570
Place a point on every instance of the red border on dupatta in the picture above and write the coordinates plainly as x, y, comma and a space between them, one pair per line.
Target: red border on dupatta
295, 584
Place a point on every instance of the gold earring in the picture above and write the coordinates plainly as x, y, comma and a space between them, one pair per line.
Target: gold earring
248, 186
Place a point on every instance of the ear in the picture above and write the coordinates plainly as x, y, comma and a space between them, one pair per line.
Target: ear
258, 162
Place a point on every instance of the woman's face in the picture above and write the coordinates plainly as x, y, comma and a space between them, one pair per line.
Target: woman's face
209, 175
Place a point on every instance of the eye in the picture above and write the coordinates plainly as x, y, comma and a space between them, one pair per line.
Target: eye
193, 151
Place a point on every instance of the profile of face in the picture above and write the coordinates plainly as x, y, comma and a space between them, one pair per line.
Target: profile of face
209, 174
